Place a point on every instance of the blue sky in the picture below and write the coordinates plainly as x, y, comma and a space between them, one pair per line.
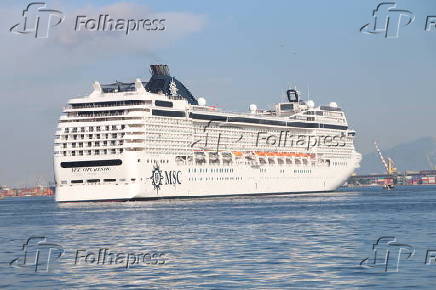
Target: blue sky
233, 53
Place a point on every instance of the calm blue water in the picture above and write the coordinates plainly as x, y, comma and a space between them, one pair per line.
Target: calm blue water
295, 241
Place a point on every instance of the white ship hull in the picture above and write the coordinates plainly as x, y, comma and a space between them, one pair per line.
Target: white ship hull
188, 181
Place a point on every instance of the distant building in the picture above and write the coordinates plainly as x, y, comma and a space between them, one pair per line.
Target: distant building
409, 178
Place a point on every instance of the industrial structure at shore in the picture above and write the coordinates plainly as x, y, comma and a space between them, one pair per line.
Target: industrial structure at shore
392, 176
30, 191
422, 177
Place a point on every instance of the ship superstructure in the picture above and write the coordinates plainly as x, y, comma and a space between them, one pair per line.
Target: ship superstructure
145, 140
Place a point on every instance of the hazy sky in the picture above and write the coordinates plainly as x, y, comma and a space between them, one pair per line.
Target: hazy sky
233, 53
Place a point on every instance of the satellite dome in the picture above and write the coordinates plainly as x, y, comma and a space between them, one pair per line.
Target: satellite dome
310, 104
253, 108
333, 105
202, 101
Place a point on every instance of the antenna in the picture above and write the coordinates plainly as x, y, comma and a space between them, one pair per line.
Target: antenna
308, 92
430, 162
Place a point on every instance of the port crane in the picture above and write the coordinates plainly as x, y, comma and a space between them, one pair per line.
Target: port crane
388, 163
430, 162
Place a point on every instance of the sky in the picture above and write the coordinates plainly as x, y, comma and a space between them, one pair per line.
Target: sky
233, 53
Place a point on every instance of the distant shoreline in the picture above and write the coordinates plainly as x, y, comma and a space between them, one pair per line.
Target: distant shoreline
27, 192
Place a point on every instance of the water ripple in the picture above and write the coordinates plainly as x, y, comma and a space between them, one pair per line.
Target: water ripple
294, 241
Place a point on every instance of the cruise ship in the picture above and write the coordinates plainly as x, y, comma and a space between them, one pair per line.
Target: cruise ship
151, 140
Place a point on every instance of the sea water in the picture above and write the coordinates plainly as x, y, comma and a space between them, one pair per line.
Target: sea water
363, 237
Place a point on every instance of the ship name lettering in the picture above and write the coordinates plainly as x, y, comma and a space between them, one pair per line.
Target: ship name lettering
172, 177
90, 169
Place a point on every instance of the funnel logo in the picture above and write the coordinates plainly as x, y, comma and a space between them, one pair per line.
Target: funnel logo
38, 254
38, 20
388, 20
387, 254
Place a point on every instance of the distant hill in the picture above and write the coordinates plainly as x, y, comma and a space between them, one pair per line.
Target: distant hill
407, 156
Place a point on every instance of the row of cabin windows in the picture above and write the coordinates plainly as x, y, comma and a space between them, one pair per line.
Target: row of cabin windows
264, 170
262, 161
97, 114
210, 170
94, 129
318, 113
340, 163
93, 152
94, 181
156, 161
109, 104
303, 171
93, 136
96, 143
214, 178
